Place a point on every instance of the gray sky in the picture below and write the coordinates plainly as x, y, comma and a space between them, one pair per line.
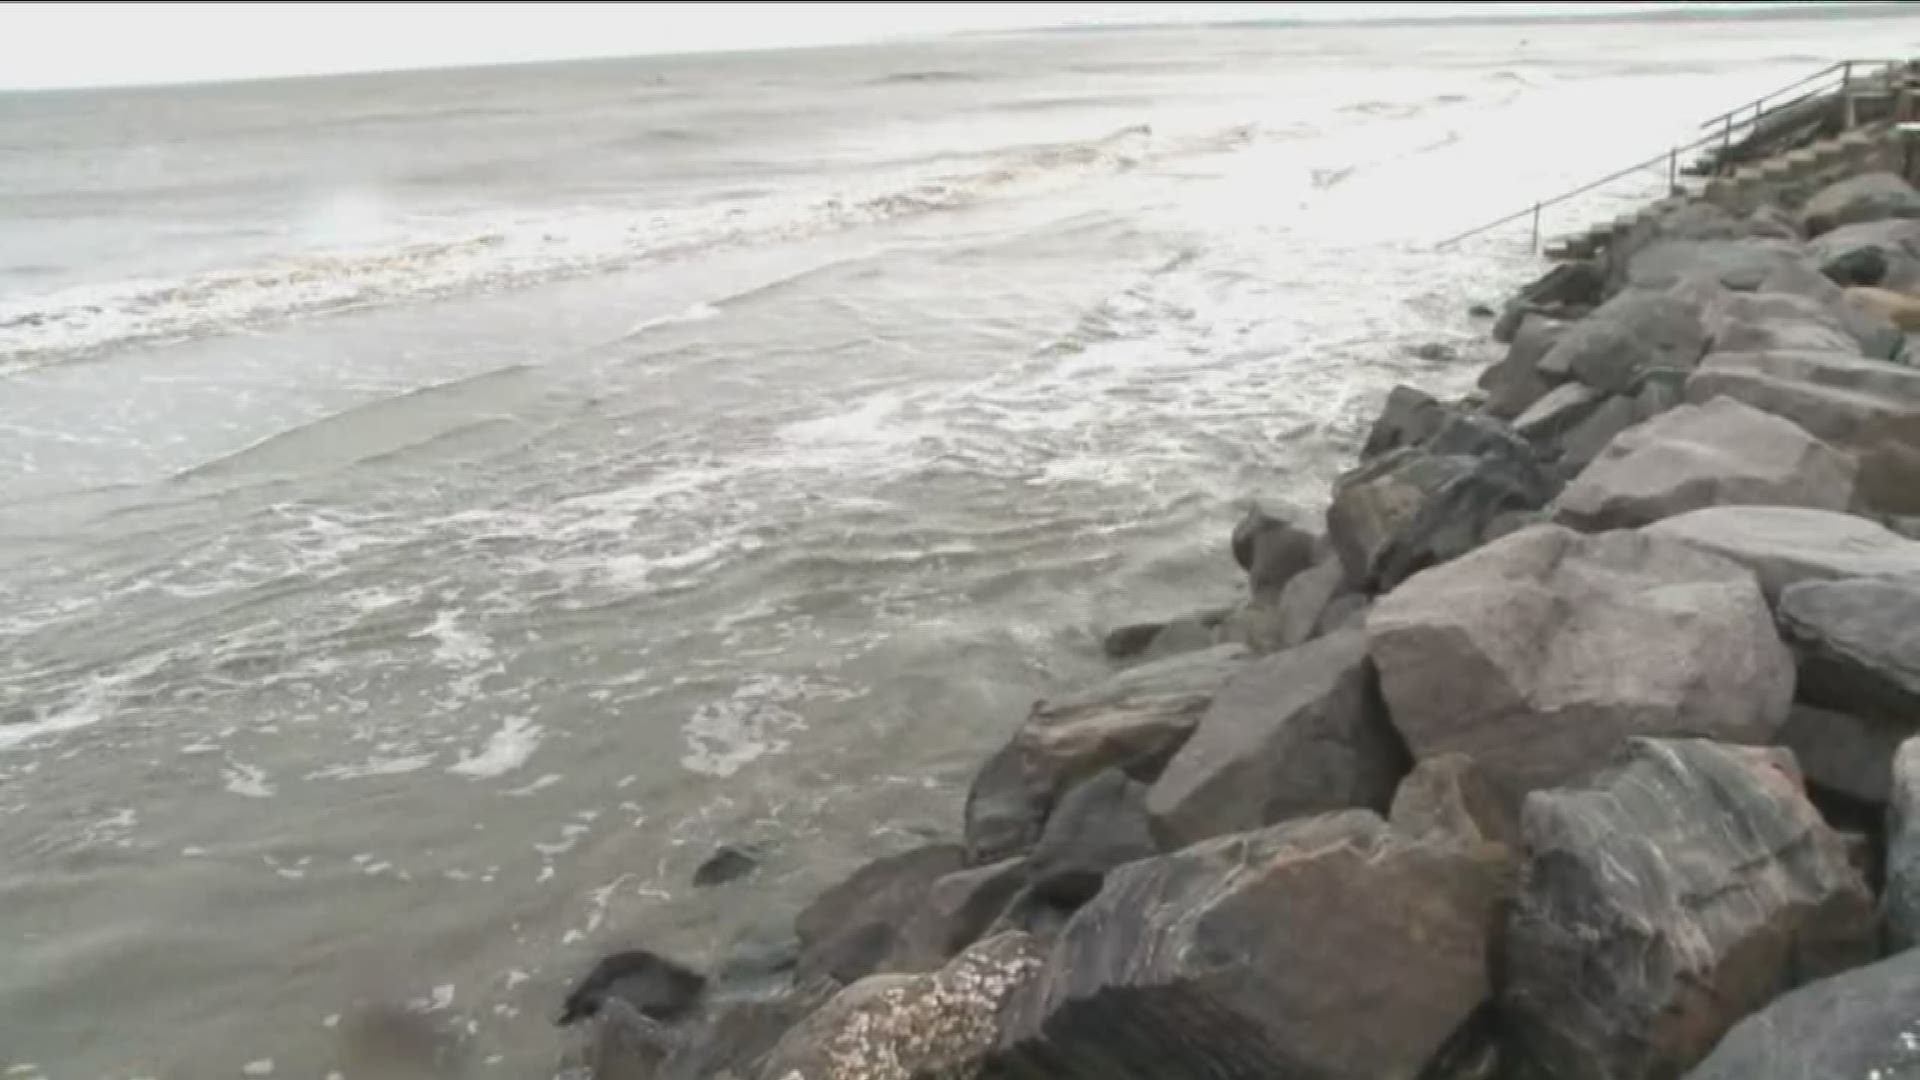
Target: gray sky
53, 45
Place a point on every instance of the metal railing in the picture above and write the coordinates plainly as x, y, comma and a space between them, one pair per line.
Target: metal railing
1742, 118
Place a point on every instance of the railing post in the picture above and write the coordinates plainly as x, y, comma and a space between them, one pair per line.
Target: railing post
1536, 227
1846, 76
1673, 170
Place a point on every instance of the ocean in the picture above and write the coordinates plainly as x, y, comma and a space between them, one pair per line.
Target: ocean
437, 509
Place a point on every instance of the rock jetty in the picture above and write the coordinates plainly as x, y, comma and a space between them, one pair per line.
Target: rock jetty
1574, 741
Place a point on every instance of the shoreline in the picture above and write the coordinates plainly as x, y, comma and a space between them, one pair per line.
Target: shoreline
1602, 670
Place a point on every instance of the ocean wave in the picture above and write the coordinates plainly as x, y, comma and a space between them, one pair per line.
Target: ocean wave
932, 76
509, 252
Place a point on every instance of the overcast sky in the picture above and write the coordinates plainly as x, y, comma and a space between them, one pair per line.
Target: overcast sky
74, 44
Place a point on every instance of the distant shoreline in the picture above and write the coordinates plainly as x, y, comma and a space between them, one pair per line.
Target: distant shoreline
1783, 12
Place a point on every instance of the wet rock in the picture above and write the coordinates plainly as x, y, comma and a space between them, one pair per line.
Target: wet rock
759, 964
1515, 383
1541, 652
1782, 322
1127, 642
1160, 640
1847, 755
728, 863
1720, 453
1870, 331
1436, 352
1868, 197
1557, 412
1446, 798
1863, 266
1770, 222
1682, 889
1901, 902
1134, 721
1739, 265
1859, 644
1589, 437
728, 1041
1481, 311
1329, 947
1409, 417
1099, 825
1855, 1026
956, 912
910, 1027
1882, 254
1628, 334
1271, 550
1415, 508
1658, 390
1257, 624
1786, 545
1305, 602
653, 985
1291, 735
850, 929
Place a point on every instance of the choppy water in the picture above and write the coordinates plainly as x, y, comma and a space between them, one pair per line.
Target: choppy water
436, 509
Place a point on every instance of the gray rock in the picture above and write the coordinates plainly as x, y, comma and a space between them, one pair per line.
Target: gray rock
1770, 222
1740, 265
1258, 624
1271, 550
1134, 721
934, 1026
1409, 417
850, 929
1870, 331
1447, 798
1659, 390
1869, 197
728, 863
1633, 331
1291, 735
1858, 641
1784, 545
1557, 412
1415, 508
1515, 383
1541, 652
1901, 902
1099, 825
1684, 888
1783, 322
757, 965
1852, 252
1128, 642
1843, 754
1328, 947
1720, 453
1589, 437
1305, 602
956, 910
1854, 1026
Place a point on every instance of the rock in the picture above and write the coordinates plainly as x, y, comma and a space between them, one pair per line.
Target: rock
1898, 309
1481, 311
1515, 383
1133, 721
1159, 640
1684, 888
1541, 652
1347, 610
1271, 550
1784, 545
1628, 334
1852, 254
1868, 197
1720, 453
1127, 642
1901, 902
849, 930
1307, 599
1782, 322
1409, 417
1329, 947
1559, 411
1770, 222
1865, 266
1579, 446
1871, 331
1414, 508
727, 863
1858, 641
957, 909
907, 1027
730, 1040
1099, 825
1740, 265
1659, 390
653, 985
1257, 624
1854, 1026
1844, 754
758, 964
1569, 289
1446, 798
1291, 735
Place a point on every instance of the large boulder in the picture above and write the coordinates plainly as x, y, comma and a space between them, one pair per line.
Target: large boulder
1328, 947
1633, 331
850, 930
1859, 644
1784, 322
1541, 652
1133, 722
1868, 197
1585, 441
1557, 412
1448, 798
1409, 417
1855, 1026
1099, 825
1740, 265
1417, 507
1293, 734
932, 1026
1843, 754
1715, 454
955, 911
1308, 600
1872, 332
1686, 886
1850, 254
1902, 899
1271, 550
1515, 382
1785, 545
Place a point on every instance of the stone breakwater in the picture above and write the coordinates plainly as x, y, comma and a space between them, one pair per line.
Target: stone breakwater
1572, 741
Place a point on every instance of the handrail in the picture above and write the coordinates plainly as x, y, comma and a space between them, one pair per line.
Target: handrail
1723, 134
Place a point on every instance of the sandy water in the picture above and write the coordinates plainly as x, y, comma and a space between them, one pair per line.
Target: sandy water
436, 509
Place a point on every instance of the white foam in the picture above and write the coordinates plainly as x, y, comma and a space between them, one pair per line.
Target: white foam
245, 779
262, 1067
375, 766
92, 708
539, 785
440, 1000
458, 645
725, 736
506, 750
694, 314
